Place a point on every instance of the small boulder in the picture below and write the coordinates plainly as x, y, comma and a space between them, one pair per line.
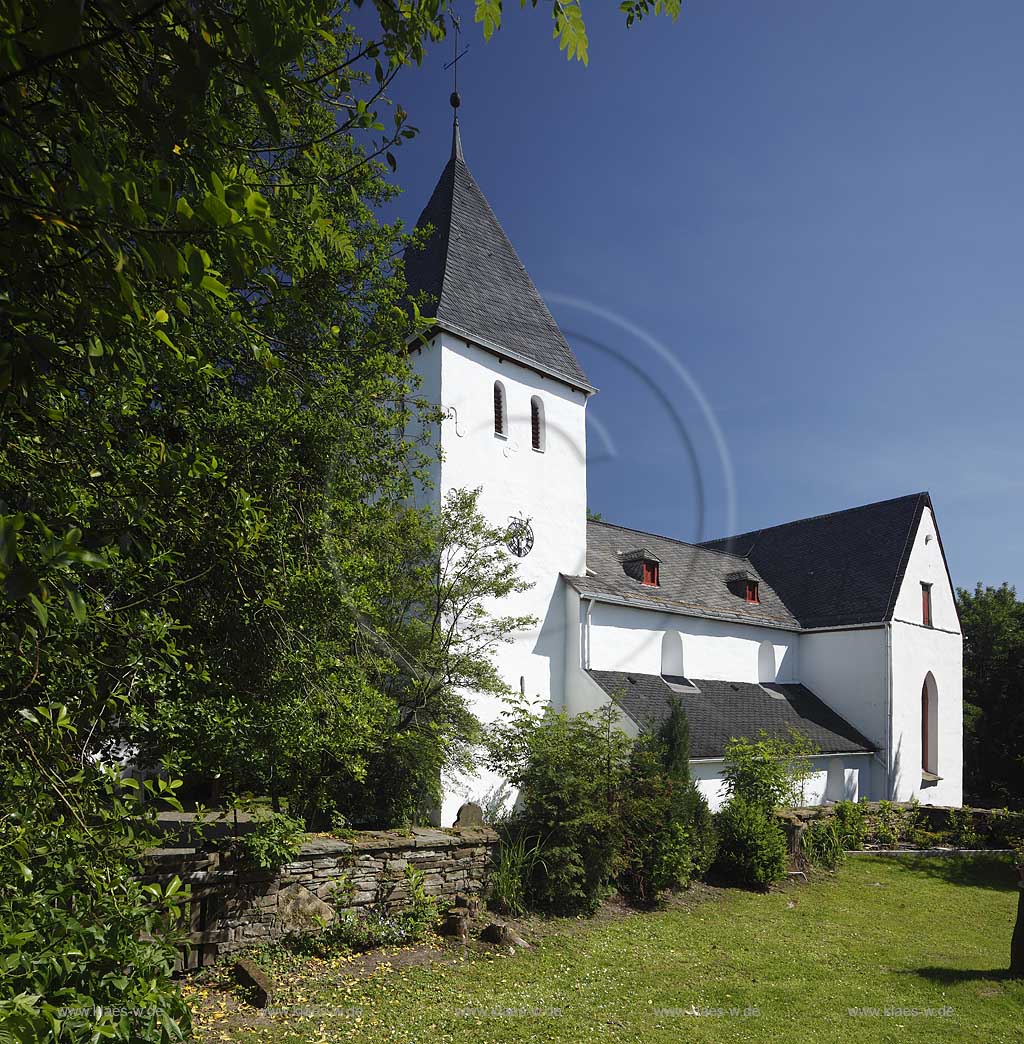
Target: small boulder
456, 924
502, 935
255, 981
470, 817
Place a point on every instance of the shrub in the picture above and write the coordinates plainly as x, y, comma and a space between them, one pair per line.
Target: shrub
851, 824
893, 824
272, 842
568, 771
354, 931
79, 930
823, 843
752, 848
517, 859
1006, 828
768, 771
962, 830
660, 809
703, 838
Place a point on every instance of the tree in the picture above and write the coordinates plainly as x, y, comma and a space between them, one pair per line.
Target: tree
992, 619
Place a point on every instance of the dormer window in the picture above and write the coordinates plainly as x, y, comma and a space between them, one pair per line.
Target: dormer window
642, 565
744, 584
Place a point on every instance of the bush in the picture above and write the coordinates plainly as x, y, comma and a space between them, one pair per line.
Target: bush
893, 824
962, 829
78, 928
703, 838
752, 849
568, 771
660, 809
355, 931
851, 824
823, 843
769, 771
517, 859
272, 842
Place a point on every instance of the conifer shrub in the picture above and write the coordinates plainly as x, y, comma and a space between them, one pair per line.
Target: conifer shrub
752, 849
569, 771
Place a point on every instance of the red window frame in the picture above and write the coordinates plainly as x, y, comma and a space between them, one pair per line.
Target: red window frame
753, 594
926, 604
650, 574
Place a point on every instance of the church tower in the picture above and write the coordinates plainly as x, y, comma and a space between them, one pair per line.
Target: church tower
515, 400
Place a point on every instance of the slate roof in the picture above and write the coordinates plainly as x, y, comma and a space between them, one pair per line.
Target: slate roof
483, 292
693, 578
837, 569
724, 710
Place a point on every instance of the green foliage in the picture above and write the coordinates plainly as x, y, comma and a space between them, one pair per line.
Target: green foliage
963, 831
569, 771
769, 771
752, 848
73, 908
569, 26
992, 619
892, 824
660, 809
519, 858
823, 843
851, 823
272, 841
353, 931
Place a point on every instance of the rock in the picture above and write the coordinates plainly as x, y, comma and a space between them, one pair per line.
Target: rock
470, 816
255, 981
471, 903
298, 909
502, 935
456, 924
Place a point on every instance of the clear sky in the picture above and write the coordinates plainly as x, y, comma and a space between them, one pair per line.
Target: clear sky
815, 208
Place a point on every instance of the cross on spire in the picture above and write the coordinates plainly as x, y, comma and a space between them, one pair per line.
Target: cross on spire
456, 99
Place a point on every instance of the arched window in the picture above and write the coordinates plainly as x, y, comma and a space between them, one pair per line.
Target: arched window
929, 726
766, 663
672, 654
537, 423
500, 413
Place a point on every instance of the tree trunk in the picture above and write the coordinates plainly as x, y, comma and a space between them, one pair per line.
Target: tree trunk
1017, 942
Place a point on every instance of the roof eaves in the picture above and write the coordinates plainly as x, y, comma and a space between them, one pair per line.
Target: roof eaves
652, 602
506, 353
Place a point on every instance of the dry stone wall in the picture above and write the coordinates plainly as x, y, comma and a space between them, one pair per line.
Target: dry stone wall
233, 906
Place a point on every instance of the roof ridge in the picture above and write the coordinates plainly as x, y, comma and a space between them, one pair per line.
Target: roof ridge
815, 518
674, 540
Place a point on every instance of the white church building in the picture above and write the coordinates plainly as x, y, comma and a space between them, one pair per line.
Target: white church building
842, 626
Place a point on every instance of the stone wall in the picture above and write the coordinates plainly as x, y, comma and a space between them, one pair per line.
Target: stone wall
233, 906
991, 825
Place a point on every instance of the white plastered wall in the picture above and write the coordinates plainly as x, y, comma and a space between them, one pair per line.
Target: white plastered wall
548, 488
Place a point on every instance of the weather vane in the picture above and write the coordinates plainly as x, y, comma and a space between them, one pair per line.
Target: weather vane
454, 63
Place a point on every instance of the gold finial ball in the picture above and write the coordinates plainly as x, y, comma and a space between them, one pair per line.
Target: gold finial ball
455, 99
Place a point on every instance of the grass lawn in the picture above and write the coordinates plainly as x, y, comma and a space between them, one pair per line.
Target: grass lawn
793, 966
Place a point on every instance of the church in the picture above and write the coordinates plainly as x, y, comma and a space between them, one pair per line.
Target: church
843, 626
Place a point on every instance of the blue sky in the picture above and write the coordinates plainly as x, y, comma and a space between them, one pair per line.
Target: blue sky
814, 207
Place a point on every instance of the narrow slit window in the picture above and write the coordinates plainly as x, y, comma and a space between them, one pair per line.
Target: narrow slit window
926, 604
537, 424
499, 409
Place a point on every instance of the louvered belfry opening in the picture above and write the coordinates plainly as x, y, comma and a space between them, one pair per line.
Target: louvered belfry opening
535, 423
499, 409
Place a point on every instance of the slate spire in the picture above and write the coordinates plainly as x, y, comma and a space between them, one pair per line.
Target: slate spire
481, 289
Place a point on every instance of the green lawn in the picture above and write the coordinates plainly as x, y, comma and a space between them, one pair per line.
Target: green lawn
791, 967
